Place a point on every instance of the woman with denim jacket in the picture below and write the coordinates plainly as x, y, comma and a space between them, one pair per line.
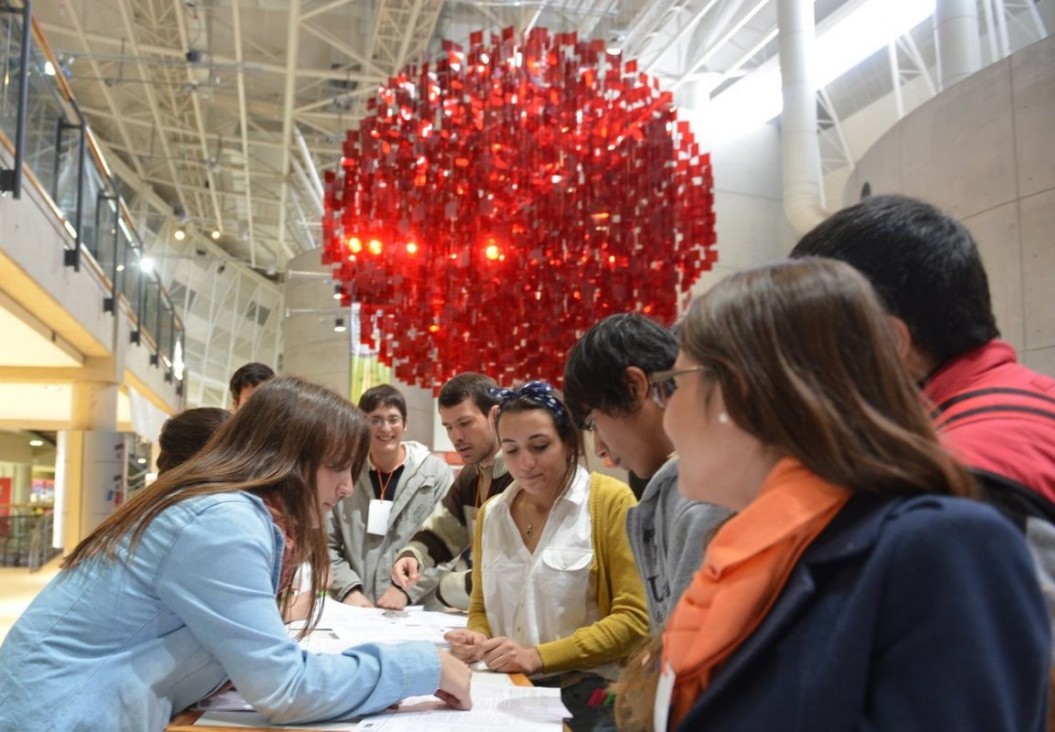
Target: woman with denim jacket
174, 594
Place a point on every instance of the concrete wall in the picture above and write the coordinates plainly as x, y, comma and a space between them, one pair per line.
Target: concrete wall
984, 150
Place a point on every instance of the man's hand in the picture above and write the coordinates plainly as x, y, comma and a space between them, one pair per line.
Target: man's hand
357, 598
406, 572
393, 599
466, 645
455, 678
508, 656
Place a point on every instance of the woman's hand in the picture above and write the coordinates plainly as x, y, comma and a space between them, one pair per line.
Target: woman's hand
508, 656
455, 678
466, 645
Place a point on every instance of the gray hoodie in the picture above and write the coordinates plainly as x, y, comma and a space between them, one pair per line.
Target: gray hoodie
668, 533
361, 559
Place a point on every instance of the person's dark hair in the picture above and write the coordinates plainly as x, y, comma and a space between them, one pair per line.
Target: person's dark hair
252, 374
272, 447
807, 362
595, 370
183, 435
923, 263
541, 395
383, 395
469, 385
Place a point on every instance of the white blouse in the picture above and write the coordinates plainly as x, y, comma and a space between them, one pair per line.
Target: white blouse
546, 595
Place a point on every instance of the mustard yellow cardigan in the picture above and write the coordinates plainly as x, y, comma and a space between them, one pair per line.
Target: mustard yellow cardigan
620, 595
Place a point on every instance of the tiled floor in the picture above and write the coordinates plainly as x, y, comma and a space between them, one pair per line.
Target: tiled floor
18, 588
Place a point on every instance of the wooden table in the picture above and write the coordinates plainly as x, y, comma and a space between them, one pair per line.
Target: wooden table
185, 721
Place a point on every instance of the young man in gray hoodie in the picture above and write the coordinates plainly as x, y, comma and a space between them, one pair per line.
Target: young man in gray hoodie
609, 378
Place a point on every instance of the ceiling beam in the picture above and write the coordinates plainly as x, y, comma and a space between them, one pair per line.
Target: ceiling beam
290, 98
214, 60
203, 143
243, 126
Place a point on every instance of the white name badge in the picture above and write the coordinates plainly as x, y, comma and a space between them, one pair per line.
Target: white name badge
377, 517
664, 692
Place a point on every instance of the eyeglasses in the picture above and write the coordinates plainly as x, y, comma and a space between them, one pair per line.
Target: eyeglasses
662, 384
379, 422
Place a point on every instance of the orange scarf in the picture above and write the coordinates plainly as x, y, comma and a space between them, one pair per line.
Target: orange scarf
745, 567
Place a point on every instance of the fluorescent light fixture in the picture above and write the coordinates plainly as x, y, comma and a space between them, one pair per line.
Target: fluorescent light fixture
844, 43
178, 364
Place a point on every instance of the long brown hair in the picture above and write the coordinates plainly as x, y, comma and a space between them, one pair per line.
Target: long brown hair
271, 447
807, 361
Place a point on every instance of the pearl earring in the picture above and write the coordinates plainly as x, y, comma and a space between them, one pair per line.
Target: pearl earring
723, 418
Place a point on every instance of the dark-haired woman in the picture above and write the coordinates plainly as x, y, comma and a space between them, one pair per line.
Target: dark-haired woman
174, 594
556, 593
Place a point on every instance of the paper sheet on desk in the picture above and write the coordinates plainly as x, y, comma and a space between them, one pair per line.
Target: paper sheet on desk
495, 706
343, 626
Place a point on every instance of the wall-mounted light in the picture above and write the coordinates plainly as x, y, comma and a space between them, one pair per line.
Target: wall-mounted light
339, 326
180, 234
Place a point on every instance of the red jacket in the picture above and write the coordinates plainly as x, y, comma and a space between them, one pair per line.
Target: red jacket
997, 416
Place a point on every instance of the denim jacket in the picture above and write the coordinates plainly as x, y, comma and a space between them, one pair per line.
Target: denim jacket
126, 643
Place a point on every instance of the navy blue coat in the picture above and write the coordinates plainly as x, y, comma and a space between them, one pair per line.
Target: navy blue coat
908, 614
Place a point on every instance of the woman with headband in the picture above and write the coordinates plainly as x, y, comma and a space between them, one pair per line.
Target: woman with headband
556, 594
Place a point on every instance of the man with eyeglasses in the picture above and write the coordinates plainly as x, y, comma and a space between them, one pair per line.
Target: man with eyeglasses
617, 379
401, 485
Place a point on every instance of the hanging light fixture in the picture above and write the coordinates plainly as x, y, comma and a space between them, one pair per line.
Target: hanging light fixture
181, 234
339, 326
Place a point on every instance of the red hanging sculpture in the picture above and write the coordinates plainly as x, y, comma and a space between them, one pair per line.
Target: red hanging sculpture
494, 205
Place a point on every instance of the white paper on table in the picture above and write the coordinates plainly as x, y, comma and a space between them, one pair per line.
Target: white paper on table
253, 720
497, 704
354, 626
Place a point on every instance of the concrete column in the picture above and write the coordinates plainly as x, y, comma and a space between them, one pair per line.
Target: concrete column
959, 43
91, 475
313, 349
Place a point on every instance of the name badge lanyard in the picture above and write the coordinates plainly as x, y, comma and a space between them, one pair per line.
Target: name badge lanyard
380, 509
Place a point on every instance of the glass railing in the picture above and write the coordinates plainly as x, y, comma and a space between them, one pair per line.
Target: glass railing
62, 160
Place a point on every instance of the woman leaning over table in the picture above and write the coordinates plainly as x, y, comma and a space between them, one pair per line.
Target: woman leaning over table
556, 594
856, 588
174, 593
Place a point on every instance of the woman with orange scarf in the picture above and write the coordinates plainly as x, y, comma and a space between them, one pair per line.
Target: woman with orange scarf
855, 589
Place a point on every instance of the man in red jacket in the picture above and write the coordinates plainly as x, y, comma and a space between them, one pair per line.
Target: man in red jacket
993, 413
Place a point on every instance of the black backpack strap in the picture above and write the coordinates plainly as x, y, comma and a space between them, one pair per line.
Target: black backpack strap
1016, 501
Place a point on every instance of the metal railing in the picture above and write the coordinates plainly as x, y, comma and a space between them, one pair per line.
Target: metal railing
25, 535
55, 150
